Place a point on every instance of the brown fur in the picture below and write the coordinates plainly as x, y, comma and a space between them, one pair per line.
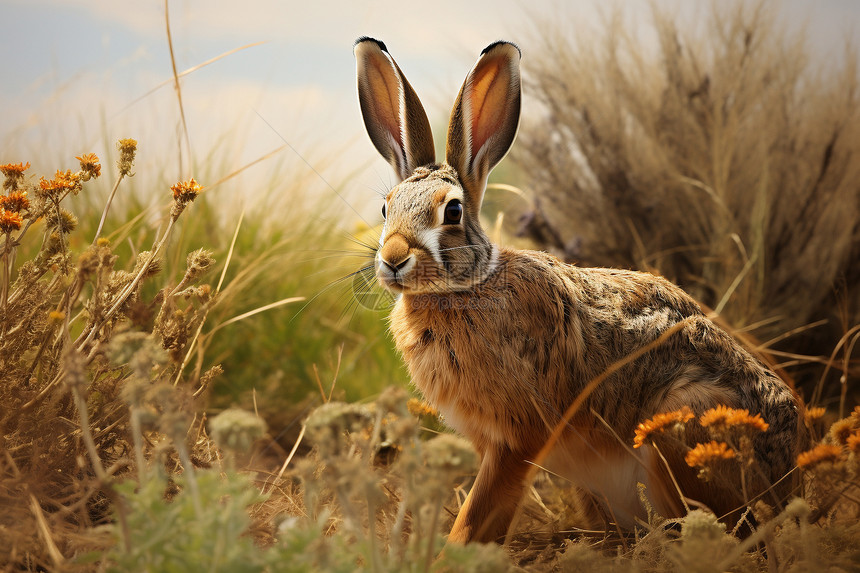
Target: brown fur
503, 361
503, 341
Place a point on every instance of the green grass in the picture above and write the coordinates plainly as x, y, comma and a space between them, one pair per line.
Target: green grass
279, 253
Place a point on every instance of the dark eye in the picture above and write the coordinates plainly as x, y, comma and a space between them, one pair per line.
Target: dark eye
453, 212
383, 210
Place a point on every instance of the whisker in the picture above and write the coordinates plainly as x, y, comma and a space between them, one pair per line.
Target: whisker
328, 287
342, 255
460, 247
352, 238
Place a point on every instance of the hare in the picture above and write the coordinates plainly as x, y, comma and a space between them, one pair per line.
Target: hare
502, 341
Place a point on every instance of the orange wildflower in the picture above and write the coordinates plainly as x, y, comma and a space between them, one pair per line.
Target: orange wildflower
16, 201
90, 165
724, 417
10, 221
186, 192
704, 454
819, 454
14, 169
659, 422
68, 179
14, 173
814, 414
61, 182
841, 429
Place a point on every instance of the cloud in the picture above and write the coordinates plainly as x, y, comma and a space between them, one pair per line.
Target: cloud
102, 55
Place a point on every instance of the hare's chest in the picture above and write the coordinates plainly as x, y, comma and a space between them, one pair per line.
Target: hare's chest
459, 366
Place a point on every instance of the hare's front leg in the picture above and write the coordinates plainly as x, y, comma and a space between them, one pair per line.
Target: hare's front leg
490, 505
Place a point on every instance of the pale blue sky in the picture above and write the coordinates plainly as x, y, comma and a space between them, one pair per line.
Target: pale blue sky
74, 69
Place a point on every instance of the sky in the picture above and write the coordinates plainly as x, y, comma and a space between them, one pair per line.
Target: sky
81, 74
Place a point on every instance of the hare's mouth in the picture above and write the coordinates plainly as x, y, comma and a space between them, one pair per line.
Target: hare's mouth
390, 282
396, 277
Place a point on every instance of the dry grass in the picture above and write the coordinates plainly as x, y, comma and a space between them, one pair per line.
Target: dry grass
725, 159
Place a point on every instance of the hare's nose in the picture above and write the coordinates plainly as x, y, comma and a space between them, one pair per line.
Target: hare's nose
394, 254
397, 266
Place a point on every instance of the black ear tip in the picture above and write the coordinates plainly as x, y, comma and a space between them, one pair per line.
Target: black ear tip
379, 43
501, 43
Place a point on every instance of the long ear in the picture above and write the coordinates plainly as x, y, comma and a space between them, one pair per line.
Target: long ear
393, 114
485, 118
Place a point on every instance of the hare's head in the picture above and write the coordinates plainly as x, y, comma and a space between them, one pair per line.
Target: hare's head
432, 240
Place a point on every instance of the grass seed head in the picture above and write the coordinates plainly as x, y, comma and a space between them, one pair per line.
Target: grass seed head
198, 262
237, 429
154, 268
700, 524
798, 508
127, 149
76, 368
63, 221
394, 400
328, 426
450, 455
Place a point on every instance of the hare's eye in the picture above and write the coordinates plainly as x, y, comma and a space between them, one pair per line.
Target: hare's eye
383, 210
453, 212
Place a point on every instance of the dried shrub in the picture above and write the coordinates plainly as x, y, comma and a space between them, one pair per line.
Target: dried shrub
88, 387
725, 158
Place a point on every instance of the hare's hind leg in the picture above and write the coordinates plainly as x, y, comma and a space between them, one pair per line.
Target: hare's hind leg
492, 502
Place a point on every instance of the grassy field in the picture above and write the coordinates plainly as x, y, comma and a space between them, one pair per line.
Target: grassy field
192, 386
